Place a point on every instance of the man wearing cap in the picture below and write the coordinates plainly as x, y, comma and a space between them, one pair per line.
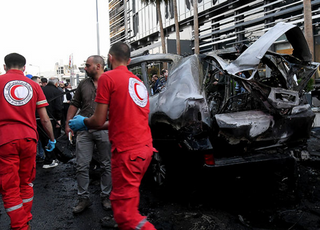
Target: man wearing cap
29, 76
20, 98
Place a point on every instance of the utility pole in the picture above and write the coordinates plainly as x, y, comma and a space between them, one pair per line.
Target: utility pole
71, 69
308, 28
98, 42
196, 27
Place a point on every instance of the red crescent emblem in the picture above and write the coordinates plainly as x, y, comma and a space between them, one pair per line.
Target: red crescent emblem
135, 90
12, 93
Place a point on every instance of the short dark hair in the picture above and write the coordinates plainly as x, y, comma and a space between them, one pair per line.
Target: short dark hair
98, 60
14, 60
35, 77
120, 51
44, 80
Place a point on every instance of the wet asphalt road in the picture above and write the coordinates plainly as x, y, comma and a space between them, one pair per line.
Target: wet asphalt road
237, 204
55, 195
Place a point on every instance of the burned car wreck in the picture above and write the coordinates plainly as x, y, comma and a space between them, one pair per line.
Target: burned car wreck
232, 108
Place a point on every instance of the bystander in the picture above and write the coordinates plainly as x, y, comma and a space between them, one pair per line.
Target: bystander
44, 82
54, 97
87, 139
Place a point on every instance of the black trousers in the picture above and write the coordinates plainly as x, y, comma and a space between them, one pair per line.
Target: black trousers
44, 138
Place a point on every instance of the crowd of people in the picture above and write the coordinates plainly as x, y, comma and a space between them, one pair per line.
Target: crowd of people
58, 95
158, 83
106, 113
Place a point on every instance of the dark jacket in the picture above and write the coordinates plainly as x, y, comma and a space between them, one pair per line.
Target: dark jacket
68, 94
55, 102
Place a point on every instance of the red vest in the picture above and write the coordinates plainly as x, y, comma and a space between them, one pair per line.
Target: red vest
19, 99
128, 103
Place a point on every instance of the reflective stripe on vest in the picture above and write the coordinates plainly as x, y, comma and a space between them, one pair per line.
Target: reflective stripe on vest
27, 200
14, 208
140, 225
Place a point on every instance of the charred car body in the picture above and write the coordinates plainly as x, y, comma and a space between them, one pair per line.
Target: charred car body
257, 113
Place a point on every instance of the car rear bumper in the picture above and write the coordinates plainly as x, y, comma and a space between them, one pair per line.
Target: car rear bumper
258, 158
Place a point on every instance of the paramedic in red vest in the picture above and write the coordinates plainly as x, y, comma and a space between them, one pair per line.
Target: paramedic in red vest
126, 98
20, 98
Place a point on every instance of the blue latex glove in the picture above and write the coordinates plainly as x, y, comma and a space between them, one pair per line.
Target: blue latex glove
51, 145
77, 123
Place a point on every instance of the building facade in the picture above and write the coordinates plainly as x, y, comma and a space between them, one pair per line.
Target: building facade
222, 24
72, 75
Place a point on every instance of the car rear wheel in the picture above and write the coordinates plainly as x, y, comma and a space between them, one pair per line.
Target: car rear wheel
158, 169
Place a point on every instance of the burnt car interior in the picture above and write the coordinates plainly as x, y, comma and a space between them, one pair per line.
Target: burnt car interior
242, 105
146, 70
274, 71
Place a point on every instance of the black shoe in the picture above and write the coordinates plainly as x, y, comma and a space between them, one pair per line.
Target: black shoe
106, 204
108, 222
29, 226
39, 159
82, 205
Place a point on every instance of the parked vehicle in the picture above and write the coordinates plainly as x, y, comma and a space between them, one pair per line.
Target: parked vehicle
239, 107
